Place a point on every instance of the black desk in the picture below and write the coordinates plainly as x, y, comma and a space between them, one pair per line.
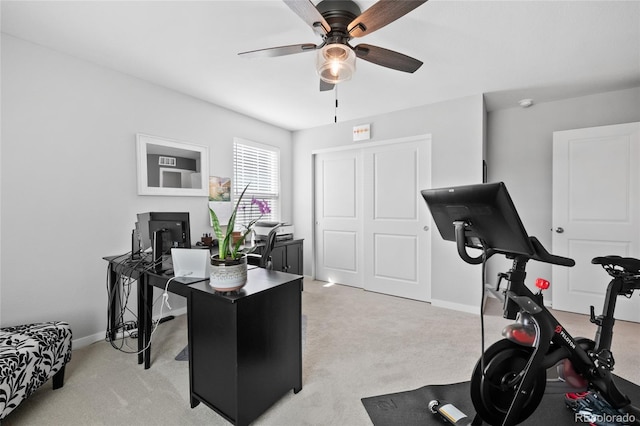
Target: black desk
245, 348
180, 286
147, 279
286, 255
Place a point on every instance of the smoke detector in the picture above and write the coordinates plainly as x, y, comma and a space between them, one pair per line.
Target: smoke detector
525, 103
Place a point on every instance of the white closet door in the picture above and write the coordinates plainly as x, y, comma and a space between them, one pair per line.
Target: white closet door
396, 236
372, 225
338, 215
596, 212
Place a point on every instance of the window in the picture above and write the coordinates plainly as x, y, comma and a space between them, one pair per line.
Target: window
258, 166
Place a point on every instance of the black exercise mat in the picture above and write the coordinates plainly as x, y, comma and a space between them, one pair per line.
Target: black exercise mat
411, 407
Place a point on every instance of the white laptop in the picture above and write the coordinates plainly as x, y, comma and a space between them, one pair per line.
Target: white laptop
190, 263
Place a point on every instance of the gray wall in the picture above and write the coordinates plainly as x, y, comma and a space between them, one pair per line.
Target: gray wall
68, 173
457, 132
520, 142
69, 193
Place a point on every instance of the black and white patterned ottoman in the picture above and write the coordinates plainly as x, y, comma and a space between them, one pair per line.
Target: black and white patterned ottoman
29, 356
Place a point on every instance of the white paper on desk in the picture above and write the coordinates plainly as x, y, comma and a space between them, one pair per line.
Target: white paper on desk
222, 209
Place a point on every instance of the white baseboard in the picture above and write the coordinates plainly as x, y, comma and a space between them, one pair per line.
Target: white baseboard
456, 306
97, 337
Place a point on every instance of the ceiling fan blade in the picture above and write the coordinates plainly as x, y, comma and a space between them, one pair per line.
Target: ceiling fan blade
387, 58
380, 14
309, 14
279, 51
324, 86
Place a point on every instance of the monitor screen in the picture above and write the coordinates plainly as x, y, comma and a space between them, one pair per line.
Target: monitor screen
487, 209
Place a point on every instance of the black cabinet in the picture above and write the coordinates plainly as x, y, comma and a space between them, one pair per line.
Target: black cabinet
245, 348
286, 256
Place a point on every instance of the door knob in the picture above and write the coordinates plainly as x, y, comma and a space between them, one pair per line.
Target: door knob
425, 228
559, 230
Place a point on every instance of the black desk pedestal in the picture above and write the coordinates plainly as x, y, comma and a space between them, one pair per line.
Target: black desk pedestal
245, 349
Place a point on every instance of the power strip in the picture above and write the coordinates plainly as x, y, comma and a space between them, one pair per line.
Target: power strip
132, 328
127, 333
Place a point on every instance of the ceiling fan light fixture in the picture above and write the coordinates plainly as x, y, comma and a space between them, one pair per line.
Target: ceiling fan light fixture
335, 63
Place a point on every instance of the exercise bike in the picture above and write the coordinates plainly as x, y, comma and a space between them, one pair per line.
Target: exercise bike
509, 380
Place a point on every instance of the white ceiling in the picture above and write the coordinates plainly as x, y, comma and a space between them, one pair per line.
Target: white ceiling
508, 50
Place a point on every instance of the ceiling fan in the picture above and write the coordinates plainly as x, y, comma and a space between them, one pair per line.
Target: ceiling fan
337, 22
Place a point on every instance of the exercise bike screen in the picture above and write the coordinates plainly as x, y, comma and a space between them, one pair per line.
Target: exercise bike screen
487, 209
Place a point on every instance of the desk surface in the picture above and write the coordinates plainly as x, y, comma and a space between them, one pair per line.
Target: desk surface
258, 279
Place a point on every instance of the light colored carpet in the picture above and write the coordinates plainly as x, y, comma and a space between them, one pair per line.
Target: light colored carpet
357, 344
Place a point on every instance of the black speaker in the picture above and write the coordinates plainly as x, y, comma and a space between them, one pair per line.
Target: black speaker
135, 245
157, 250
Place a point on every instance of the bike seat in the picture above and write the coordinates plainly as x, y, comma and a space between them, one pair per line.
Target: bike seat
629, 264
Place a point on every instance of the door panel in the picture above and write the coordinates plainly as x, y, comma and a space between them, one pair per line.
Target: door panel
584, 281
599, 154
596, 205
394, 183
340, 251
338, 218
294, 260
387, 263
396, 246
278, 258
339, 190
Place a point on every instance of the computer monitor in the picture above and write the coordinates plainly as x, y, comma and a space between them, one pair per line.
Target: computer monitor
488, 210
175, 227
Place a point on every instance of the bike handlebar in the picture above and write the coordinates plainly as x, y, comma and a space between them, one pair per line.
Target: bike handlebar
539, 252
459, 227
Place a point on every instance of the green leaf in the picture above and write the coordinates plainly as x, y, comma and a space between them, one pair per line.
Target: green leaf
218, 230
225, 241
216, 223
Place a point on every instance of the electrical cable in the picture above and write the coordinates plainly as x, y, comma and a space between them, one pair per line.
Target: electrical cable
165, 301
127, 267
124, 279
483, 278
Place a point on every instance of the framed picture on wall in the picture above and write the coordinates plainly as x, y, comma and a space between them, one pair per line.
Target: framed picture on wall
220, 198
171, 167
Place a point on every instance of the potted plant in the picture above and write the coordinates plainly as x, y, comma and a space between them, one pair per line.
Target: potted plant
229, 266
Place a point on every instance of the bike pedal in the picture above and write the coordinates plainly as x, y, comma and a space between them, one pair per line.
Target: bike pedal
592, 407
571, 399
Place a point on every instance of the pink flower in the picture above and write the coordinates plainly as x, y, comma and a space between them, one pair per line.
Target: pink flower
263, 206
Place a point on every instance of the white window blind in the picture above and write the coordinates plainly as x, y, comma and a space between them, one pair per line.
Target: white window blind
258, 166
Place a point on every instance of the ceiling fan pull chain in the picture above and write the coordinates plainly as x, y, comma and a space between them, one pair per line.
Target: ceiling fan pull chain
335, 110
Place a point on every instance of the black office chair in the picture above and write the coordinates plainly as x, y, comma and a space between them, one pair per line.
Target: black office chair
264, 260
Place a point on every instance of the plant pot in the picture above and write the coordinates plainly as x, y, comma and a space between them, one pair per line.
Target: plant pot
228, 274
236, 236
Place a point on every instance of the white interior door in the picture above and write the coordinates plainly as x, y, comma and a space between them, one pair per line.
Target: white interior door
596, 212
371, 223
338, 216
396, 241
